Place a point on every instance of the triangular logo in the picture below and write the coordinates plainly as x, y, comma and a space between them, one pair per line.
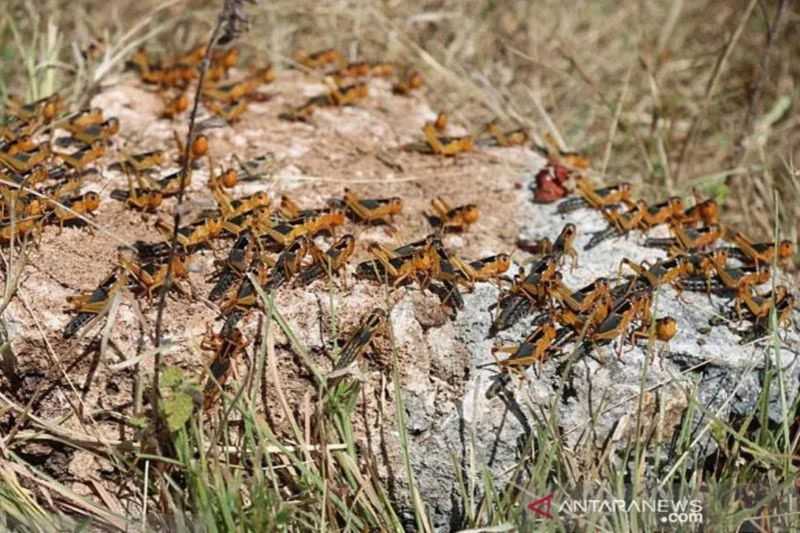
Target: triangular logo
542, 506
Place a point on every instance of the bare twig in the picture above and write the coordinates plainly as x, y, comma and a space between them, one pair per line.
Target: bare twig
773, 28
230, 23
711, 87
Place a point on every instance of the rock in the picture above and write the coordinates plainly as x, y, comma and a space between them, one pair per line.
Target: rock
723, 376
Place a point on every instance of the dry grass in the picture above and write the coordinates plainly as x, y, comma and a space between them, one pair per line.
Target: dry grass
670, 96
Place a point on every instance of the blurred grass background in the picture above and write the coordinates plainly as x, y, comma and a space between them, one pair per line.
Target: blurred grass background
669, 94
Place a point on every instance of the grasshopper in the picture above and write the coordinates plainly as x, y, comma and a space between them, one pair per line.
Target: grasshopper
140, 199
534, 348
421, 263
23, 162
347, 95
238, 91
664, 329
761, 252
783, 315
518, 137
687, 239
482, 269
20, 228
226, 347
705, 212
619, 320
44, 109
289, 262
285, 233
320, 59
619, 223
371, 210
97, 132
236, 264
80, 159
83, 204
175, 106
333, 260
454, 218
85, 118
141, 163
597, 198
582, 300
195, 235
152, 276
446, 146
95, 303
360, 338
758, 306
412, 81
230, 113
663, 272
670, 210
24, 143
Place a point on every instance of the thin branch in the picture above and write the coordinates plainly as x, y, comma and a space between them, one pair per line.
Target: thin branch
755, 95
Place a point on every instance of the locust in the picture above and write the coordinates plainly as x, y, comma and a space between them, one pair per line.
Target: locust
620, 224
95, 303
289, 263
84, 119
619, 320
19, 229
142, 162
372, 210
333, 260
534, 349
757, 306
237, 92
671, 210
596, 198
360, 338
44, 109
446, 146
258, 220
141, 199
518, 137
687, 239
454, 218
482, 269
23, 162
761, 252
230, 113
705, 212
663, 272
85, 156
194, 235
233, 309
235, 265
175, 106
347, 95
227, 347
363, 69
74, 207
414, 261
581, 300
664, 329
97, 133
320, 59
152, 276
285, 233
412, 81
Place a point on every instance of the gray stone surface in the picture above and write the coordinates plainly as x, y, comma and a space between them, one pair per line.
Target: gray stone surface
475, 433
